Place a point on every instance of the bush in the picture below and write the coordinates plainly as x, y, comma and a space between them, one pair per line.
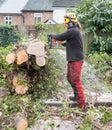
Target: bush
103, 64
8, 35
40, 26
96, 16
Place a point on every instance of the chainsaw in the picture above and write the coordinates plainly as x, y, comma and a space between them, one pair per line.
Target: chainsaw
53, 44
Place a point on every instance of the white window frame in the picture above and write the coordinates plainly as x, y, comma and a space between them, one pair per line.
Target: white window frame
8, 19
38, 17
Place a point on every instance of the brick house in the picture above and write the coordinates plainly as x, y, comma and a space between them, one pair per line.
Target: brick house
10, 12
37, 11
26, 13
30, 12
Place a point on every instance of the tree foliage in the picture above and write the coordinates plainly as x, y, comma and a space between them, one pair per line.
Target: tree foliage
96, 16
8, 35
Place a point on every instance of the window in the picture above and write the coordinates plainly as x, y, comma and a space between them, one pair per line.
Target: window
38, 17
8, 19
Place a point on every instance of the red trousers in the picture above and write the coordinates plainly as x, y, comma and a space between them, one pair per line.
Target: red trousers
74, 78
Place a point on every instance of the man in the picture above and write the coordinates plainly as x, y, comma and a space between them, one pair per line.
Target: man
74, 55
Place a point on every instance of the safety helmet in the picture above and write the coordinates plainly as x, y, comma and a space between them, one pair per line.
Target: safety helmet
70, 17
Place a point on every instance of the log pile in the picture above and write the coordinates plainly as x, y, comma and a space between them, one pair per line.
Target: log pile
27, 56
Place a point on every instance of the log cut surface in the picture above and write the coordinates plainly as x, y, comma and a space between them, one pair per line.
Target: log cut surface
22, 56
10, 58
19, 87
40, 61
21, 122
36, 48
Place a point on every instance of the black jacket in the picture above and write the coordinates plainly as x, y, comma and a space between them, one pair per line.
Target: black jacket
74, 44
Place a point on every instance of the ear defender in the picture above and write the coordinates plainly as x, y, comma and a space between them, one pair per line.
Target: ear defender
66, 20
70, 17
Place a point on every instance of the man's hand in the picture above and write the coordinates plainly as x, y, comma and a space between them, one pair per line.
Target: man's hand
53, 42
59, 42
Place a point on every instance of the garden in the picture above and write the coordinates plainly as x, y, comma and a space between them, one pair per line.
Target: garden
49, 81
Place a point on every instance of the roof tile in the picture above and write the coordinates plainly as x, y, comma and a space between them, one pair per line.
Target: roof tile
38, 5
66, 3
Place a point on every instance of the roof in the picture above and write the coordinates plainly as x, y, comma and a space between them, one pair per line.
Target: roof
2, 1
12, 6
66, 3
50, 21
38, 5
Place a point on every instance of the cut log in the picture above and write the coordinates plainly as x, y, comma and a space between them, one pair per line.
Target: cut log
36, 48
19, 88
40, 61
21, 122
22, 56
26, 58
10, 58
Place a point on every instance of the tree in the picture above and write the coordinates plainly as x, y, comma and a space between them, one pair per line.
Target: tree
96, 16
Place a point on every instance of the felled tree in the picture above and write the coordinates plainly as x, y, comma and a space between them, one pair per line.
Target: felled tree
26, 58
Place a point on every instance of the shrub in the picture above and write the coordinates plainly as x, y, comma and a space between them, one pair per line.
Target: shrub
8, 35
103, 64
96, 16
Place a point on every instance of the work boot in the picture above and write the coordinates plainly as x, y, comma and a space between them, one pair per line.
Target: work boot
72, 98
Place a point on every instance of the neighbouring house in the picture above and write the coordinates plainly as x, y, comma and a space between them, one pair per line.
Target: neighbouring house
36, 11
49, 21
60, 6
30, 12
10, 12
26, 13
2, 1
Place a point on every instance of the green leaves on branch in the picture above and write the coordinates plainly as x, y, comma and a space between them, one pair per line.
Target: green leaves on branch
106, 116
96, 17
40, 26
8, 35
101, 44
96, 14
